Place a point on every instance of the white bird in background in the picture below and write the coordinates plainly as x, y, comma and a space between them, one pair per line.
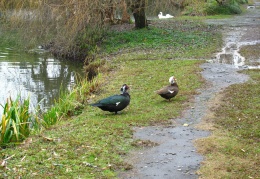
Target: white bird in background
161, 16
169, 16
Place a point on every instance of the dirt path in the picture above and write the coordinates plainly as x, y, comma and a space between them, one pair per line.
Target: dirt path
176, 156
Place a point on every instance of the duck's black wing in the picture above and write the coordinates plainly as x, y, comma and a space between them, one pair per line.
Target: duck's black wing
113, 103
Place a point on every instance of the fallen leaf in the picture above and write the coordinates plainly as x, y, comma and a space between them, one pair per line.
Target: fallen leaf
3, 163
47, 138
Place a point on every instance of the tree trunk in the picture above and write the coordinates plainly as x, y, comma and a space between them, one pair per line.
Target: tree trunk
138, 9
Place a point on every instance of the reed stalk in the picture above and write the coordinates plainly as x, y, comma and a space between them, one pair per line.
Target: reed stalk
16, 121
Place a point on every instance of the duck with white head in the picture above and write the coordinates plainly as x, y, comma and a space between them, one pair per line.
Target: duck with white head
169, 91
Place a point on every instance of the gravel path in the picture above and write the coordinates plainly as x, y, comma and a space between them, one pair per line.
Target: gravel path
176, 156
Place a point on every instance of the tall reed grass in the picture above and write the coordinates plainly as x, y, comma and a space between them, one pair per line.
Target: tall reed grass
71, 103
16, 121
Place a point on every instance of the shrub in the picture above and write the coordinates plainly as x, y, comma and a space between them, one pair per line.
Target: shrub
213, 9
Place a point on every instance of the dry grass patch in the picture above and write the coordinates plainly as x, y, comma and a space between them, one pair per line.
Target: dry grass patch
207, 122
251, 54
226, 157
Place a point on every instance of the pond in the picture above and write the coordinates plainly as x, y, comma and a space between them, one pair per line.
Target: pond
37, 75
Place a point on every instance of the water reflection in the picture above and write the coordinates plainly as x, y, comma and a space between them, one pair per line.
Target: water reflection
36, 75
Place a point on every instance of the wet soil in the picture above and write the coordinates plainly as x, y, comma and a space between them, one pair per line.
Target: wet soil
175, 155
240, 32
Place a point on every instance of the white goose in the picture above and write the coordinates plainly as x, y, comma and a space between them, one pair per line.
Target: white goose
161, 16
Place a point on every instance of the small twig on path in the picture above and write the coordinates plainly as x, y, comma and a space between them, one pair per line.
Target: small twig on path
9, 157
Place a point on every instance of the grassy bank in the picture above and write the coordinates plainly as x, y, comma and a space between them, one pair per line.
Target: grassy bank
168, 39
233, 149
90, 145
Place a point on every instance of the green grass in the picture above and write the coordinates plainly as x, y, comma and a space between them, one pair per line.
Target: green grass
196, 18
156, 38
70, 103
233, 151
220, 16
167, 39
243, 118
251, 54
92, 144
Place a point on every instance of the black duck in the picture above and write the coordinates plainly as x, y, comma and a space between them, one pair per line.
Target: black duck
115, 103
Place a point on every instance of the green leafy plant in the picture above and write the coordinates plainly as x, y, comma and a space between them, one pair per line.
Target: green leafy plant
232, 7
50, 117
16, 120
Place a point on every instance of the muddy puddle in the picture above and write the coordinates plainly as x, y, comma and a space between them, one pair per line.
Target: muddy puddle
241, 32
175, 155
230, 54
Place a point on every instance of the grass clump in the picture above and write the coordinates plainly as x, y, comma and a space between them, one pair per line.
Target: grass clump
250, 51
233, 149
213, 7
227, 9
251, 54
70, 103
16, 122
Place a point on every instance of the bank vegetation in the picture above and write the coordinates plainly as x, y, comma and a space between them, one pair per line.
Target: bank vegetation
73, 29
75, 140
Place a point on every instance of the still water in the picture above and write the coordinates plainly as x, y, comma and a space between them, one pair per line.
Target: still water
36, 75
